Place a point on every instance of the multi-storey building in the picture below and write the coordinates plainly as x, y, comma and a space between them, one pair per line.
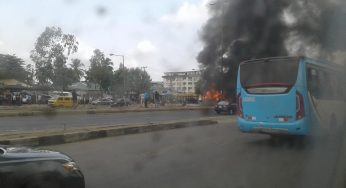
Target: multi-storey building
181, 82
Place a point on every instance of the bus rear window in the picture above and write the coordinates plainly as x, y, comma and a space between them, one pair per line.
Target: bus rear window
269, 77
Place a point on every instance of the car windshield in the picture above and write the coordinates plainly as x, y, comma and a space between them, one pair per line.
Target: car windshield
174, 93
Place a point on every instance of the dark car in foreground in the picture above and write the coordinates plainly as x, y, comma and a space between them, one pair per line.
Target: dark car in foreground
22, 167
225, 107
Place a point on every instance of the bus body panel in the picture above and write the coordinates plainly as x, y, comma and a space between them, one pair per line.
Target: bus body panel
276, 113
326, 108
324, 104
295, 128
269, 108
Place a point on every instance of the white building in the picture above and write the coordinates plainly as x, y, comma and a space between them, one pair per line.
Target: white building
181, 82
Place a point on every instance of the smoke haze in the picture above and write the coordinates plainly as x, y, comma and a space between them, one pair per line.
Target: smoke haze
241, 30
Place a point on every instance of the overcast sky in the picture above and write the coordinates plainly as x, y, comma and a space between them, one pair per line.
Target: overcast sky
160, 35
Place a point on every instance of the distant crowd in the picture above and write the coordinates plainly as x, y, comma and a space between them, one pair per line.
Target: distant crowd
15, 98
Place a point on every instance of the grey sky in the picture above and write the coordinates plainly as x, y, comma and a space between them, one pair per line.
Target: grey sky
161, 35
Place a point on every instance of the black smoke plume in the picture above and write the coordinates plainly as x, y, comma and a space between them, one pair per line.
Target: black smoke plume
241, 30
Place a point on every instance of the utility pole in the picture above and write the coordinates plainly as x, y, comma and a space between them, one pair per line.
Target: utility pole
143, 68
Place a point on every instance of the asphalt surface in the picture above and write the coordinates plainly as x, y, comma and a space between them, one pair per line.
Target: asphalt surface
205, 157
27, 123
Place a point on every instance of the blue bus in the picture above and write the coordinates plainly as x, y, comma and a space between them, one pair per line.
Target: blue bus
290, 95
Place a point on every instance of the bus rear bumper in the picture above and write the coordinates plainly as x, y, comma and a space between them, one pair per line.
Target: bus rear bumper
293, 128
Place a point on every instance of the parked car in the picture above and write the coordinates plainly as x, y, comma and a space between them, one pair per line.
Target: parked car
43, 99
225, 107
22, 167
105, 101
121, 102
26, 99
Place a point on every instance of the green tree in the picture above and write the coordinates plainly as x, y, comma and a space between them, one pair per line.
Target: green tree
50, 54
30, 78
12, 67
133, 80
101, 70
118, 82
63, 76
137, 80
77, 69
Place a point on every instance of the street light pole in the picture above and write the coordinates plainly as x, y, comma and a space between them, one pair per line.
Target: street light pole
123, 58
123, 67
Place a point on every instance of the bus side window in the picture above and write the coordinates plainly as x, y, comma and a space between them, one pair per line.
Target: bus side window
313, 82
326, 89
338, 91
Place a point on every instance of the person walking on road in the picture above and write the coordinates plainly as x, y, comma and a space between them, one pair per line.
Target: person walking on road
74, 98
14, 99
146, 98
157, 99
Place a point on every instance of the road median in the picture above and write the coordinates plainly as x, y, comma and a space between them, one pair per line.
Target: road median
53, 137
47, 111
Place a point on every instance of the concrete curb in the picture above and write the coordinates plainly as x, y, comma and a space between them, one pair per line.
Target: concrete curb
96, 111
93, 133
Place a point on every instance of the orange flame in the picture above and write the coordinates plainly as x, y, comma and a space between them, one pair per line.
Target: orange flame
212, 95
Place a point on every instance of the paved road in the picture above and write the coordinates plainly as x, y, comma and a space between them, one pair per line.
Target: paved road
204, 157
80, 120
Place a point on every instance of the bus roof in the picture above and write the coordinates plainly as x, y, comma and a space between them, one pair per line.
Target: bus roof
325, 64
321, 63
269, 59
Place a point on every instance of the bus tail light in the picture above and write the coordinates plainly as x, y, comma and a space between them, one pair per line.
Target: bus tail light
239, 106
300, 111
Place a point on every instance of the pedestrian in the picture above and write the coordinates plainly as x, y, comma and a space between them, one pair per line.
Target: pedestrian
146, 98
74, 98
2, 97
14, 99
157, 99
184, 102
87, 100
18, 99
90, 99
